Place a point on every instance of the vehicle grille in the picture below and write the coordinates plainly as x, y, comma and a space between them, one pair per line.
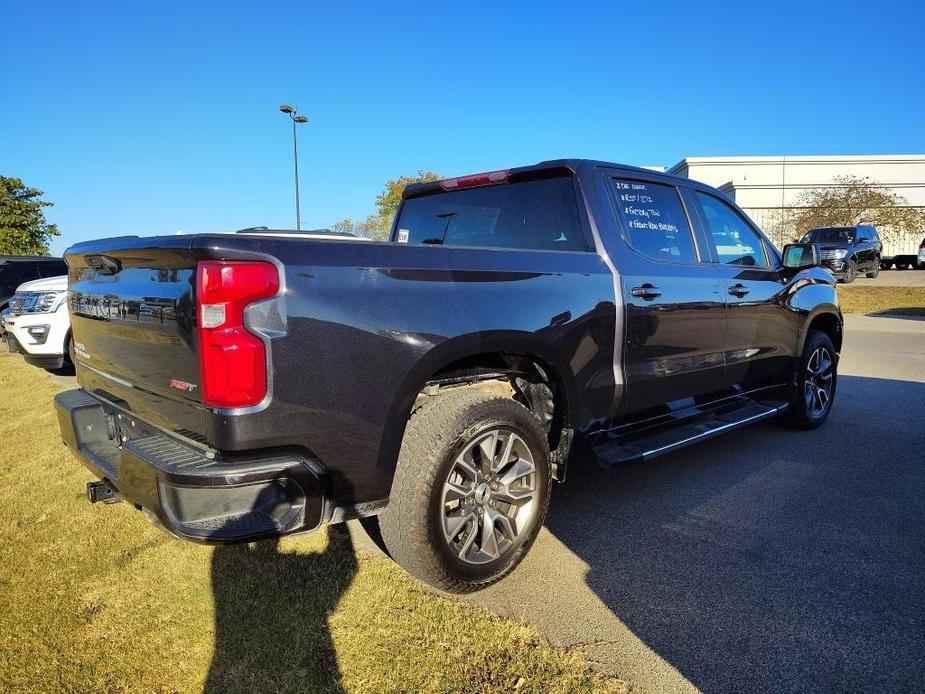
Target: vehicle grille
828, 254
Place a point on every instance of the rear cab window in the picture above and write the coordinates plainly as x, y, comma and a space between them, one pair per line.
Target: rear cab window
539, 214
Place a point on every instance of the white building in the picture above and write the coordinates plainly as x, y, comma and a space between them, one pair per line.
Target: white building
766, 187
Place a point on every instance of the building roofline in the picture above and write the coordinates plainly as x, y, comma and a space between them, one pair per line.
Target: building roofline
798, 159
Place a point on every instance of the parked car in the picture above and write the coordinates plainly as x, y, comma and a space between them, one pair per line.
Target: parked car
16, 269
38, 325
847, 251
439, 380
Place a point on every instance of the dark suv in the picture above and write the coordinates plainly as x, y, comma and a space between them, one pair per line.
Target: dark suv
847, 251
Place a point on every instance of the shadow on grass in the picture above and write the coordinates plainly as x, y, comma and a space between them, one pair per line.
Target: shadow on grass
271, 616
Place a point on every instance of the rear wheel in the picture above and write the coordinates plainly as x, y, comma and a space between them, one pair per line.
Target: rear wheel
885, 264
875, 270
815, 382
902, 266
470, 491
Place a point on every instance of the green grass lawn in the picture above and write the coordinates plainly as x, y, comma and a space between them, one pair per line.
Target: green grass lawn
93, 599
856, 298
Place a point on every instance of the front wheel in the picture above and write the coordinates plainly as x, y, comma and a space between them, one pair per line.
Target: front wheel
851, 271
815, 382
470, 491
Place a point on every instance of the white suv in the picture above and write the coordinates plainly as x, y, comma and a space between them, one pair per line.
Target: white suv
38, 325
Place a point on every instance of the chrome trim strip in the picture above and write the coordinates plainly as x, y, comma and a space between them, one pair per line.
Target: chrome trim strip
712, 432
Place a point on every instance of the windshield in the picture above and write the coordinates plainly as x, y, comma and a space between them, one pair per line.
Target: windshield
539, 214
832, 235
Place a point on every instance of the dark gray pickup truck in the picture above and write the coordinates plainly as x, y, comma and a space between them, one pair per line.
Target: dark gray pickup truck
241, 386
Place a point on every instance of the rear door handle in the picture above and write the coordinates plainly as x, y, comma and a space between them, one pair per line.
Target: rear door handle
739, 290
646, 291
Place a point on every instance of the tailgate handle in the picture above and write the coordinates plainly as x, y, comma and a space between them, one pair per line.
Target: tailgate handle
104, 264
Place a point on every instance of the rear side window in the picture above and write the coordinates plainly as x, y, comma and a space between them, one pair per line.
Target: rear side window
735, 241
541, 214
654, 221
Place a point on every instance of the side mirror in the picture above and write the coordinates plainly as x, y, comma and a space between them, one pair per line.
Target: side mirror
798, 256
863, 239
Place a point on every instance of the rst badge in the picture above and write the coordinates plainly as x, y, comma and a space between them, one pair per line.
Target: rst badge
182, 385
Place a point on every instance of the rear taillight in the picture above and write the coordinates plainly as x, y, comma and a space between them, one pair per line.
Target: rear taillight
233, 361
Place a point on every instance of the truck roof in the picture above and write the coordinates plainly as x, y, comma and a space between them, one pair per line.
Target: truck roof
550, 165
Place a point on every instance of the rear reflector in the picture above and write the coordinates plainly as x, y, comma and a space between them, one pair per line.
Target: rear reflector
481, 179
233, 361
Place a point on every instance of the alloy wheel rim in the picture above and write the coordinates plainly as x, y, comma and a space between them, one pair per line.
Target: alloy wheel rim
489, 496
818, 381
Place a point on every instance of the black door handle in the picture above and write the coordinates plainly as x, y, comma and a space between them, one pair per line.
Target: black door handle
646, 291
739, 290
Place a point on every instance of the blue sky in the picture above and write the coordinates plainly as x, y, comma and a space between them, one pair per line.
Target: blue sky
148, 118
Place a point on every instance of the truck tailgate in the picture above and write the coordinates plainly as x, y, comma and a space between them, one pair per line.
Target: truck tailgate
133, 317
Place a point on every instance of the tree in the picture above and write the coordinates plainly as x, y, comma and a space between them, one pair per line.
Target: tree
377, 226
23, 229
387, 201
373, 227
853, 200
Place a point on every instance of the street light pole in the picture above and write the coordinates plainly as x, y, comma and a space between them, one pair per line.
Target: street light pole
293, 115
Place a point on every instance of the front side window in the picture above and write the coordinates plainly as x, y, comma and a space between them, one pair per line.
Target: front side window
539, 214
736, 243
654, 221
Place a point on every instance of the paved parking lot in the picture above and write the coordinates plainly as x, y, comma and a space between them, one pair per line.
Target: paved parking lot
895, 278
767, 560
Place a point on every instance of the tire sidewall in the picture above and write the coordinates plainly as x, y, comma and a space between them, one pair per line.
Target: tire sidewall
476, 421
851, 272
804, 417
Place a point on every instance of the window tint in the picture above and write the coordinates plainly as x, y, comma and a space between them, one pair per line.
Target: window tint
654, 221
736, 243
540, 214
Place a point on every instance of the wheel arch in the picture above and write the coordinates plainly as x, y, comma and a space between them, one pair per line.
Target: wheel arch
479, 357
828, 321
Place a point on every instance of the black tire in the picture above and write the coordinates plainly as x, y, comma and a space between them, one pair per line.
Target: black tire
885, 264
851, 271
71, 357
413, 523
902, 266
875, 271
801, 414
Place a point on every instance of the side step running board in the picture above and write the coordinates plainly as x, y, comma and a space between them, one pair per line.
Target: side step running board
664, 439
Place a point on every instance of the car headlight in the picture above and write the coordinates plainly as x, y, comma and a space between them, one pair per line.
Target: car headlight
37, 302
840, 253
